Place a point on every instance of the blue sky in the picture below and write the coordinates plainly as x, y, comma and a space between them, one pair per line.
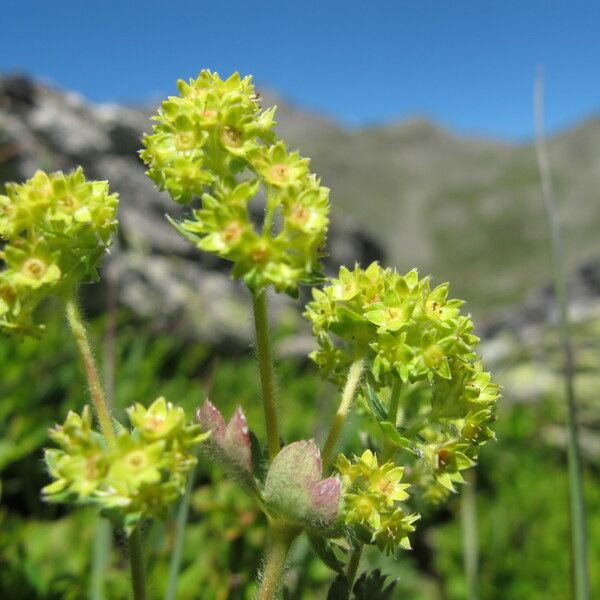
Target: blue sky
468, 64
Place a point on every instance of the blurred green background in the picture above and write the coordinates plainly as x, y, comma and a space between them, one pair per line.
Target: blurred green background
419, 121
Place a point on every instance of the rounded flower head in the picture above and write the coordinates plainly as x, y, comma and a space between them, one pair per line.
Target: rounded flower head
56, 228
421, 362
215, 143
371, 501
379, 313
139, 476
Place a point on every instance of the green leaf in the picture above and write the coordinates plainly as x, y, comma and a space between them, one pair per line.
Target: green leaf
260, 461
372, 587
375, 404
184, 232
339, 589
392, 434
324, 551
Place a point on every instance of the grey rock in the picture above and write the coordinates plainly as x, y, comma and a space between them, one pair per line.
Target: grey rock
161, 277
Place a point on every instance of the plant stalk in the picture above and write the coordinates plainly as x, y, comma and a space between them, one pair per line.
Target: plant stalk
388, 447
272, 576
78, 328
468, 515
267, 376
136, 561
352, 382
353, 564
579, 555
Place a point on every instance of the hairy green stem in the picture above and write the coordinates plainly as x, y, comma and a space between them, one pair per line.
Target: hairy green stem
78, 328
281, 539
388, 447
180, 526
267, 376
353, 564
136, 562
579, 554
352, 382
468, 510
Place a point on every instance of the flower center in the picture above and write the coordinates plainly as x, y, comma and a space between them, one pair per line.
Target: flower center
34, 268
434, 309
443, 458
300, 213
185, 140
231, 137
434, 357
136, 460
156, 423
260, 253
232, 232
280, 173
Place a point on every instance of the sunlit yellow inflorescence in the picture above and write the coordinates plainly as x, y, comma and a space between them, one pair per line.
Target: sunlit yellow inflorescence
372, 501
418, 345
215, 143
56, 228
140, 476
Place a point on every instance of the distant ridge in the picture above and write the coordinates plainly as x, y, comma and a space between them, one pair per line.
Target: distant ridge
463, 208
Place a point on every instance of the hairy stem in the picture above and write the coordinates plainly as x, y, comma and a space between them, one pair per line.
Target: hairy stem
468, 510
388, 447
136, 562
577, 502
352, 382
77, 326
272, 576
267, 377
353, 567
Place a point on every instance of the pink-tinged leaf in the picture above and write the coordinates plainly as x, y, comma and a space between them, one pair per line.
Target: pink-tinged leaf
326, 499
236, 441
294, 488
210, 418
302, 460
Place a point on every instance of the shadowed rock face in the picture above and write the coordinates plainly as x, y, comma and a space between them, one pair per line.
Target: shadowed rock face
160, 276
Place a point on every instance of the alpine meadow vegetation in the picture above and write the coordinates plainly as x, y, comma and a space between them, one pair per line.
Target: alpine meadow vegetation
399, 353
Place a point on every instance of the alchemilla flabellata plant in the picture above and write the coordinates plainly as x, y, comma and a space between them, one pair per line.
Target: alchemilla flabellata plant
401, 352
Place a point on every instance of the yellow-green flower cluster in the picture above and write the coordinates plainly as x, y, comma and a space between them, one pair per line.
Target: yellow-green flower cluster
55, 229
419, 347
459, 422
407, 329
214, 142
138, 476
373, 501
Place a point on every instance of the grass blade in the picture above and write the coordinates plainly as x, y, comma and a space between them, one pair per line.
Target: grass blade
100, 558
576, 494
468, 517
180, 527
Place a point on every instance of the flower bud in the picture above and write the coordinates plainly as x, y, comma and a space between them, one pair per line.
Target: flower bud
295, 491
231, 440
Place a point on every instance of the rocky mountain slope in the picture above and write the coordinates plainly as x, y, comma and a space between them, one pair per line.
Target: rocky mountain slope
464, 209
160, 276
